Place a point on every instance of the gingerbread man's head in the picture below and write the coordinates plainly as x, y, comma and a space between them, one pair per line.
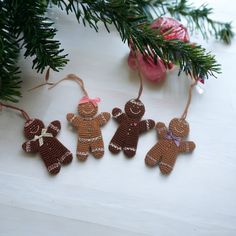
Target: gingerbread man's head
179, 127
87, 110
33, 127
134, 109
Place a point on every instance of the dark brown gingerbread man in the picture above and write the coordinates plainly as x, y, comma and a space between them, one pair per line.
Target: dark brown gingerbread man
169, 145
44, 141
126, 136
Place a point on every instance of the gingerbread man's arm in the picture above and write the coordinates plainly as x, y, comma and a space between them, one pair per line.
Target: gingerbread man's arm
186, 146
103, 118
118, 114
161, 130
73, 119
54, 128
146, 125
31, 146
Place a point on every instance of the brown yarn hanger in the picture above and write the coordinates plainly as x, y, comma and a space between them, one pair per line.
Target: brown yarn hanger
46, 83
184, 115
24, 113
73, 78
140, 77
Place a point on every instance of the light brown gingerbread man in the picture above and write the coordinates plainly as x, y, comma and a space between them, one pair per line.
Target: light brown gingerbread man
88, 128
170, 144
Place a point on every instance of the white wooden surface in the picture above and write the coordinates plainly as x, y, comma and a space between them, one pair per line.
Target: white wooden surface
116, 196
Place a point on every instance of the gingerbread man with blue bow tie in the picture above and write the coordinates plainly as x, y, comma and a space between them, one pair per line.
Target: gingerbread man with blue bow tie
170, 143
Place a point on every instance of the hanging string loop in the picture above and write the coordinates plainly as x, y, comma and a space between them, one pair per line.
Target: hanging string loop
184, 115
75, 78
24, 113
140, 76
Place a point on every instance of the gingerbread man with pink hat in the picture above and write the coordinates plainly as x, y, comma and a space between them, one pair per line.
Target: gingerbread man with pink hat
88, 128
87, 124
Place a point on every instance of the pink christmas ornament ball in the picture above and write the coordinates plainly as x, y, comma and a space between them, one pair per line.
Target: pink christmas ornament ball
156, 71
172, 28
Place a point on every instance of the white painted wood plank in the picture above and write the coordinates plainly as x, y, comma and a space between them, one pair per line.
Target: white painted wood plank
116, 196
21, 222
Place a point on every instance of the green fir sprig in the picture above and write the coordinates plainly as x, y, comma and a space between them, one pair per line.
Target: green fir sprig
9, 51
23, 24
198, 19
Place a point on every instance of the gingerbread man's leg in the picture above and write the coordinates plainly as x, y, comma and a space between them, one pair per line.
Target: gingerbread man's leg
154, 155
130, 145
117, 141
97, 148
167, 162
63, 154
50, 161
82, 150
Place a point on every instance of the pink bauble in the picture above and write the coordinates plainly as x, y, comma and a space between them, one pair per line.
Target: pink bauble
177, 30
150, 70
154, 72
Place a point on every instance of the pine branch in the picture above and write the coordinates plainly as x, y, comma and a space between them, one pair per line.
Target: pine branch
38, 35
9, 50
130, 21
22, 22
192, 59
198, 19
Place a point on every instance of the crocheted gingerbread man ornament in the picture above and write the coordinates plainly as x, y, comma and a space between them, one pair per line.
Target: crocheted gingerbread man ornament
130, 126
88, 128
170, 144
87, 123
43, 140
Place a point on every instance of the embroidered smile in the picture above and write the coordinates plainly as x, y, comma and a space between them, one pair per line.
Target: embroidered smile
134, 111
179, 131
88, 112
